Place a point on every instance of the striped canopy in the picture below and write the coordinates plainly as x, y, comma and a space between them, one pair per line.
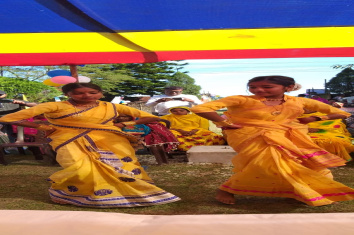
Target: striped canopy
59, 32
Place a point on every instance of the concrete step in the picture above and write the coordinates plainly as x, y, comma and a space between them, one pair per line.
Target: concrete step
211, 154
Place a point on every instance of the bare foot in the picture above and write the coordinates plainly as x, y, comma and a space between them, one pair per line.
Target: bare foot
225, 197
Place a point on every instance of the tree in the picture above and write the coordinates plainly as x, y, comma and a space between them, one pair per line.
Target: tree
115, 79
129, 79
343, 82
177, 65
185, 81
107, 77
35, 91
30, 73
149, 78
339, 66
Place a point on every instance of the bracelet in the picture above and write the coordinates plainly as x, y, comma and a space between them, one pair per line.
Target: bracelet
131, 123
324, 118
224, 123
44, 127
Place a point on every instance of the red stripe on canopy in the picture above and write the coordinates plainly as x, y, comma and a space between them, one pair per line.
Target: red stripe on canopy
150, 57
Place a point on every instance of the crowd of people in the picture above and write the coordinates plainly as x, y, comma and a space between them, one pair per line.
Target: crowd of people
285, 145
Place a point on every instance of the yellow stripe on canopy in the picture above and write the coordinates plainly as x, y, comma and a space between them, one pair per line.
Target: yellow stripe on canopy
194, 40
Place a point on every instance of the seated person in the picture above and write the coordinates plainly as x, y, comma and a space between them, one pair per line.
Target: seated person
157, 137
160, 135
30, 133
173, 97
3, 136
191, 129
336, 104
133, 128
8, 106
319, 98
331, 135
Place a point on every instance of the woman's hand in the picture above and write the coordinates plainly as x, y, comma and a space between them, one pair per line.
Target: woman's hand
24, 103
327, 117
306, 120
49, 132
120, 125
193, 131
231, 127
20, 102
189, 133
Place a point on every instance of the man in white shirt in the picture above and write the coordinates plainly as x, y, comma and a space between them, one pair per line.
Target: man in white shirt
173, 97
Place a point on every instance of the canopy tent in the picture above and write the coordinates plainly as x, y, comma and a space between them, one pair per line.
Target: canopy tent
60, 32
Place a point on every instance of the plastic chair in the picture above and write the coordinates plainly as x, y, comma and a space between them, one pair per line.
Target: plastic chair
40, 141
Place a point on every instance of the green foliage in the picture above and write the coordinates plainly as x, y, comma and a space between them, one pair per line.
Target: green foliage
185, 81
177, 65
30, 73
339, 66
149, 78
116, 79
107, 77
343, 82
129, 79
35, 91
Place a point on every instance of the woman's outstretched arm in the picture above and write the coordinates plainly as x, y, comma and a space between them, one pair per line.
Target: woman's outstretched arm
212, 116
218, 120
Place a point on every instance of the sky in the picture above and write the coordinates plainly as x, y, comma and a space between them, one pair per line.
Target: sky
229, 76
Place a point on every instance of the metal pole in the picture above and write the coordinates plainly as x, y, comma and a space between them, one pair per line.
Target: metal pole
73, 70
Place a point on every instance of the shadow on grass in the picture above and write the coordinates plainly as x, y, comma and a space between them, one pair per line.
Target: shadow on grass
27, 159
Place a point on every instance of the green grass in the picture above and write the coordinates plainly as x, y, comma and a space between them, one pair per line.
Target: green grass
24, 187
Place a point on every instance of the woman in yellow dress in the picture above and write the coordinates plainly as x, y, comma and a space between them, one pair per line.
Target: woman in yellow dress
331, 135
190, 129
99, 164
275, 156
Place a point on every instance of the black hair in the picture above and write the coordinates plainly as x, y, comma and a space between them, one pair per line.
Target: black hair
275, 79
173, 88
72, 86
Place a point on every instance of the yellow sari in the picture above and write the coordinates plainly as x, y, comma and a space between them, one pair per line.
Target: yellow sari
276, 157
191, 122
331, 135
100, 167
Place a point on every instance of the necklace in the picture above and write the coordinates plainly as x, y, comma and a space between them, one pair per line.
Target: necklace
275, 99
78, 111
277, 111
83, 105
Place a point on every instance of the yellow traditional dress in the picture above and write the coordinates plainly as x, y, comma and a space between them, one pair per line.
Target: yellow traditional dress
191, 122
100, 167
331, 135
276, 157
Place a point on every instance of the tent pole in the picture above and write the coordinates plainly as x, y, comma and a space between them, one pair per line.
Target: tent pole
73, 70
